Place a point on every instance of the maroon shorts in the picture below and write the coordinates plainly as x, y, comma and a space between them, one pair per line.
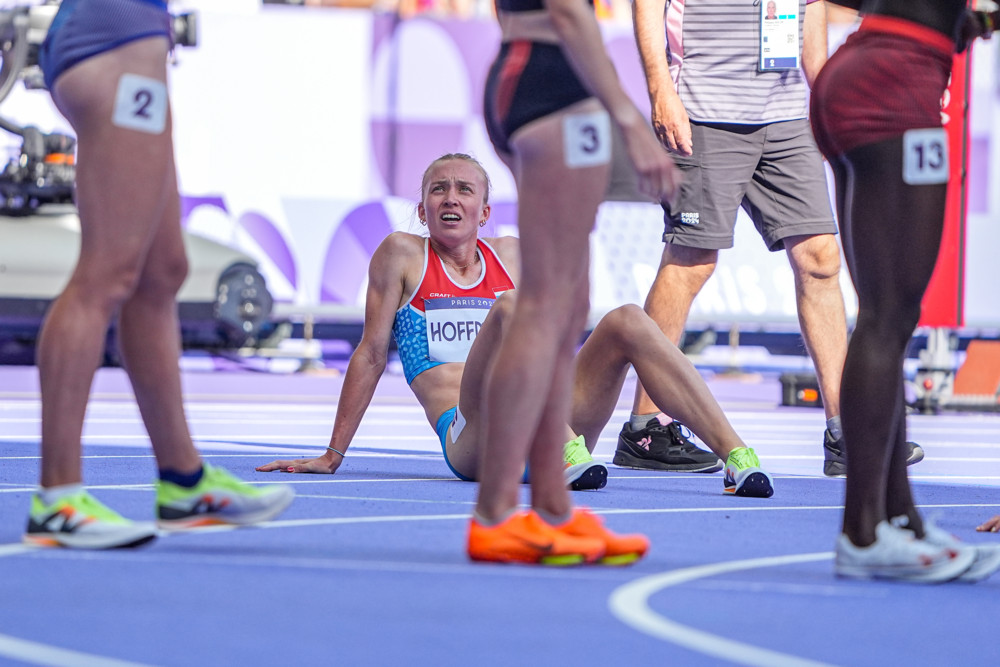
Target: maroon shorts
887, 78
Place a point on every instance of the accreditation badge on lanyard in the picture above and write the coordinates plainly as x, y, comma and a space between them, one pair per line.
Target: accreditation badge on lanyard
779, 35
452, 325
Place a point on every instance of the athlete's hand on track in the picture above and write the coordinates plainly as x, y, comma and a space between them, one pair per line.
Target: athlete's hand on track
991, 526
320, 464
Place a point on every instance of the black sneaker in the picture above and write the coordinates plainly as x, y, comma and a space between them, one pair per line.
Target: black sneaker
835, 460
659, 447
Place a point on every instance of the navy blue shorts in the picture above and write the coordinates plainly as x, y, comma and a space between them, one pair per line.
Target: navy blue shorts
528, 81
85, 28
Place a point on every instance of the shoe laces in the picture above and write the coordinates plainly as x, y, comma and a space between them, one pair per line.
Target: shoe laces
92, 507
742, 458
677, 431
575, 451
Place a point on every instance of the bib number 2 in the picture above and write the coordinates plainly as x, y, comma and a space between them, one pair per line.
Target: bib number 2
141, 104
925, 156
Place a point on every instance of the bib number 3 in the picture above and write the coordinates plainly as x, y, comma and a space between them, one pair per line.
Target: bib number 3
925, 156
141, 104
587, 139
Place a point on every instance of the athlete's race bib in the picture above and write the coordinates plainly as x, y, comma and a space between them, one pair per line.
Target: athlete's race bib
925, 156
452, 325
587, 139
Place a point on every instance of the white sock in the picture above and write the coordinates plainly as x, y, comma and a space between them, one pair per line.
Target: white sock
54, 494
482, 521
552, 519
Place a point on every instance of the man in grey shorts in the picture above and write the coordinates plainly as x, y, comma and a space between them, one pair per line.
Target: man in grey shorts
729, 102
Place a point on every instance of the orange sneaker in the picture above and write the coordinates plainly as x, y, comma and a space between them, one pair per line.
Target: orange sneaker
525, 538
618, 549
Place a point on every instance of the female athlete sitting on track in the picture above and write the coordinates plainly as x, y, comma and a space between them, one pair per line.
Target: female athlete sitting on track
454, 281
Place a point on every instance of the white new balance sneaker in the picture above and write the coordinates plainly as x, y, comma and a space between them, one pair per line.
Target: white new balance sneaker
897, 555
987, 555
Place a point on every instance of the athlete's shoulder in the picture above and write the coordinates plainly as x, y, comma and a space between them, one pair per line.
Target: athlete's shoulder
399, 253
508, 249
505, 245
400, 245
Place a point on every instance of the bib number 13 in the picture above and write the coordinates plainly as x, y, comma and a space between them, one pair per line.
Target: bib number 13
925, 156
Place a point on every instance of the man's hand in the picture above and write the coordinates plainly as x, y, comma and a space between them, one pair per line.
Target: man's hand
671, 123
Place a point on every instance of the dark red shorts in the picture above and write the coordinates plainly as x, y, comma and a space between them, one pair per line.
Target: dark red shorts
887, 78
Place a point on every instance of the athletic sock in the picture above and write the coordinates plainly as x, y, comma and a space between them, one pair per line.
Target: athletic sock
486, 523
53, 494
638, 422
187, 480
833, 424
552, 519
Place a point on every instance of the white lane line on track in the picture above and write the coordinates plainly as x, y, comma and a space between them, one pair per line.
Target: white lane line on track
630, 604
385, 500
43, 654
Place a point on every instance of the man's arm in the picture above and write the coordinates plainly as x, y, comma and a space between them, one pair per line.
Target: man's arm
386, 274
670, 119
814, 44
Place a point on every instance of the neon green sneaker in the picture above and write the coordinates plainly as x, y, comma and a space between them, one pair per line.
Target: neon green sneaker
218, 499
744, 476
80, 521
582, 472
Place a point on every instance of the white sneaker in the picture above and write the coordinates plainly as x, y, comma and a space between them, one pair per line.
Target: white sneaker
581, 471
80, 521
218, 499
897, 555
987, 555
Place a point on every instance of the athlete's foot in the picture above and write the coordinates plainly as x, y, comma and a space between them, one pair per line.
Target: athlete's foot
525, 538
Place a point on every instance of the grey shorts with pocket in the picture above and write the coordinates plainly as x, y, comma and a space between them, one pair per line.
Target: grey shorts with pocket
774, 171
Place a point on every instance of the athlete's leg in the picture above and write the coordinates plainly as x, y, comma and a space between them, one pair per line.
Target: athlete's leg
463, 453
117, 231
815, 262
627, 336
149, 340
532, 372
683, 271
892, 232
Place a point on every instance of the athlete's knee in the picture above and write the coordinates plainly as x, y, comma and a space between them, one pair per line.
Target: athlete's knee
623, 320
505, 304
889, 325
164, 276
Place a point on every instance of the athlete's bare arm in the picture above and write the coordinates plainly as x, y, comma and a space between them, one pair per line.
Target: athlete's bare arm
392, 263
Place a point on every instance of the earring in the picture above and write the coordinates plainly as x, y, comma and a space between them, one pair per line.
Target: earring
482, 223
